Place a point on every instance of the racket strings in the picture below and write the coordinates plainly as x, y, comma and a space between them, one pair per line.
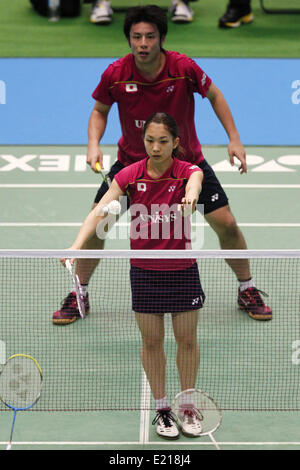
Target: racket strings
201, 407
20, 382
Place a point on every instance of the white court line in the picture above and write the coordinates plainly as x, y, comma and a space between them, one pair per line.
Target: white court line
126, 224
49, 186
262, 186
40, 224
145, 410
89, 186
155, 443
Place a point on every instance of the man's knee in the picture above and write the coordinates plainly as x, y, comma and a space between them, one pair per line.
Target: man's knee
223, 222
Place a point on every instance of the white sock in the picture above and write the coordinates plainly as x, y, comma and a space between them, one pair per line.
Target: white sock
162, 403
186, 399
246, 284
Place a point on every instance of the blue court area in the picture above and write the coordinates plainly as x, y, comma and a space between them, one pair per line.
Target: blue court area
46, 190
55, 98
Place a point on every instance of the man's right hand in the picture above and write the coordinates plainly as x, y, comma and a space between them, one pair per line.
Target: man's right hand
94, 155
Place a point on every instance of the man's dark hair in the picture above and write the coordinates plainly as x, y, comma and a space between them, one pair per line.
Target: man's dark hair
146, 14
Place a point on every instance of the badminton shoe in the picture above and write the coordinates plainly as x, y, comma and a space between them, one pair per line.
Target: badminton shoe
101, 12
166, 425
251, 302
234, 17
69, 312
181, 12
189, 422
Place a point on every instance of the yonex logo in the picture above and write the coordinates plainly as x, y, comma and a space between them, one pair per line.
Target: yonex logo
171, 188
215, 197
170, 89
195, 301
2, 92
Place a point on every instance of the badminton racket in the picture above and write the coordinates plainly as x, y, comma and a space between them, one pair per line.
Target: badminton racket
203, 406
20, 385
77, 288
104, 176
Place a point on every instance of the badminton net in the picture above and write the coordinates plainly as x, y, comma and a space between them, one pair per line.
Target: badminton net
94, 364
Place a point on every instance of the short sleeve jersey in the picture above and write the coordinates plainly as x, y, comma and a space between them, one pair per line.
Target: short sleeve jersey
171, 92
156, 222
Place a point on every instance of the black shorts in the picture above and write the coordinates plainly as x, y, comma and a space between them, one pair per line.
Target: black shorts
212, 195
160, 292
117, 166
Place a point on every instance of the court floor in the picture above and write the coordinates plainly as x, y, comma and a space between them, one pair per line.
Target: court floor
45, 193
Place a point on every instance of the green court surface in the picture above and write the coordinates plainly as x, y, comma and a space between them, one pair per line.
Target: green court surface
45, 194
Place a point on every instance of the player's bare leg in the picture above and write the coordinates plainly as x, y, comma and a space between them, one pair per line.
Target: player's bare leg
152, 352
154, 363
68, 312
230, 237
84, 266
188, 352
188, 359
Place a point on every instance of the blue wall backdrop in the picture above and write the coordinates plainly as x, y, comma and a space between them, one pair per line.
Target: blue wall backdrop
48, 101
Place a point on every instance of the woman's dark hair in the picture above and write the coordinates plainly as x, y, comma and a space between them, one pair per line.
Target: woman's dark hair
169, 123
146, 14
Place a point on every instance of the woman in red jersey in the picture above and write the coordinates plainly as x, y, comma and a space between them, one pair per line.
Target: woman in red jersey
160, 188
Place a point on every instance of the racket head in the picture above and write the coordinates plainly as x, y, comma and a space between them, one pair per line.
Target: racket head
21, 382
77, 288
206, 408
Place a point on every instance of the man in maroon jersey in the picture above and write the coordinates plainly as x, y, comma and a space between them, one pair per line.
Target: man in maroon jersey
147, 80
